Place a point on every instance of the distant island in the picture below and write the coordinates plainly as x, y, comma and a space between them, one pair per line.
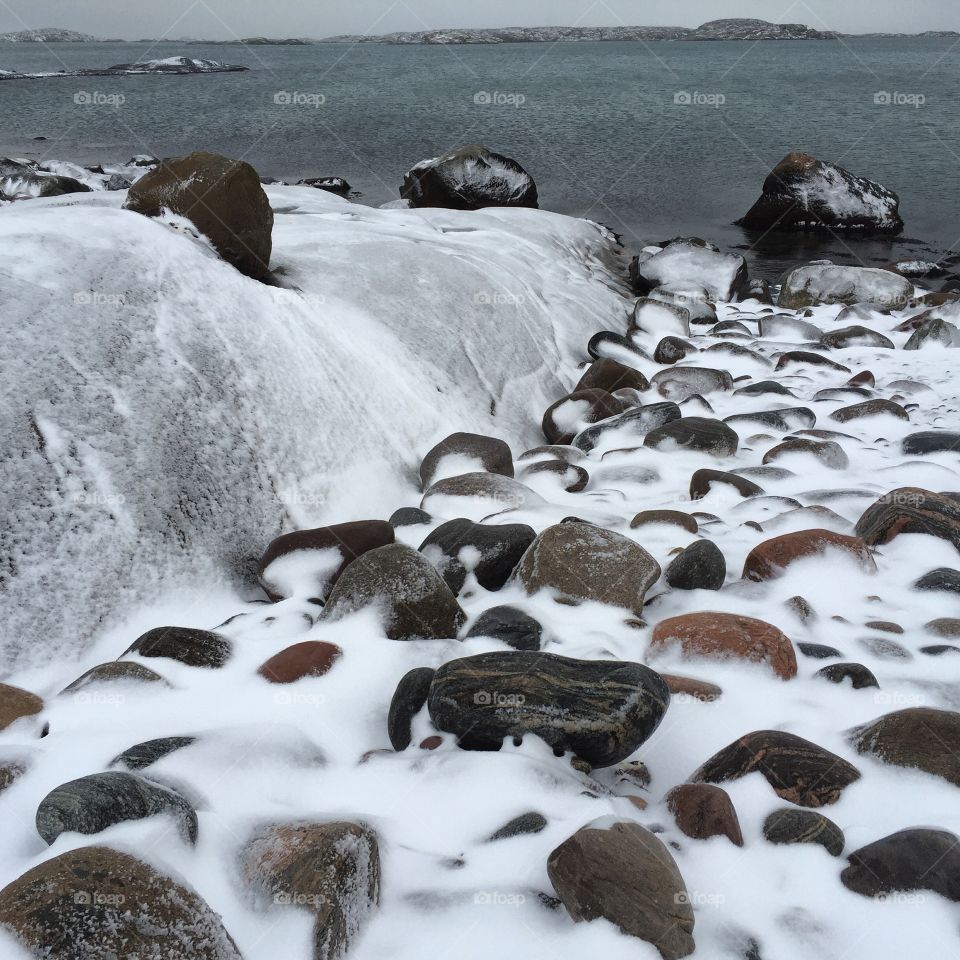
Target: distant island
729, 29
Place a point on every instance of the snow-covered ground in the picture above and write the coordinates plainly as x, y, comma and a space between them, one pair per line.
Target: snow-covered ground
175, 416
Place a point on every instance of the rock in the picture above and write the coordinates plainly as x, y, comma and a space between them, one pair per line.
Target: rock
626, 875
672, 350
858, 675
410, 517
11, 770
568, 454
695, 433
910, 510
609, 375
934, 332
222, 198
783, 326
469, 178
674, 518
657, 318
789, 825
335, 185
919, 738
582, 562
695, 299
510, 626
771, 558
40, 185
311, 658
431, 743
784, 419
700, 567
683, 264
465, 453
564, 419
828, 452
804, 193
412, 599
687, 688
16, 704
570, 476
308, 563
142, 755
614, 346
870, 408
931, 441
95, 902
825, 283
116, 671
525, 824
799, 771
703, 810
91, 804
409, 699
885, 649
918, 859
856, 336
939, 649
195, 648
818, 651
703, 480
727, 636
764, 387
489, 551
476, 496
680, 383
944, 627
330, 869
634, 424
602, 711
943, 579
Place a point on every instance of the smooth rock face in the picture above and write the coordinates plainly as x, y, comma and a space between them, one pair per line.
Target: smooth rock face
570, 415
727, 636
943, 579
856, 335
195, 648
919, 737
804, 826
672, 350
477, 496
408, 700
309, 562
771, 558
695, 433
223, 199
410, 596
330, 869
600, 710
469, 178
490, 551
93, 803
116, 671
570, 476
910, 510
799, 771
510, 626
633, 424
311, 658
703, 810
16, 703
626, 875
918, 859
700, 567
673, 518
582, 562
609, 375
99, 903
476, 451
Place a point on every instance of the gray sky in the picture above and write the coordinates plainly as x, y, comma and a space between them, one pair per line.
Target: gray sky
225, 19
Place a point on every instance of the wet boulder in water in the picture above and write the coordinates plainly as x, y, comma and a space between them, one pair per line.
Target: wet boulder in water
477, 496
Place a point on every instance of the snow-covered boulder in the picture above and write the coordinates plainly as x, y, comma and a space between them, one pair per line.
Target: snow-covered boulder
469, 178
690, 264
824, 282
166, 417
805, 193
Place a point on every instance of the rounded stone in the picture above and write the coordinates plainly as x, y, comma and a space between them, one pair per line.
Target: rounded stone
409, 699
311, 658
789, 825
700, 567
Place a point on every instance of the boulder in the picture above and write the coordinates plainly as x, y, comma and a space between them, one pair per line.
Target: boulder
409, 517
803, 193
856, 336
934, 332
673, 518
672, 350
307, 563
703, 810
469, 178
656, 318
633, 425
859, 676
16, 704
682, 264
571, 477
681, 383
115, 671
828, 452
142, 755
477, 496
870, 408
700, 567
412, 599
524, 825
99, 903
771, 558
825, 283
408, 700
582, 562
790, 825
564, 419
311, 658
703, 480
931, 441
943, 579
695, 433
610, 375
222, 198
465, 453
510, 626
783, 420
910, 510
688, 688
626, 875
195, 648
602, 711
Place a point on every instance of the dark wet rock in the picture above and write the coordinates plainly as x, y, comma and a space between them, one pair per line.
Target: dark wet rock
95, 902
858, 675
680, 383
525, 824
700, 567
330, 869
939, 649
412, 599
570, 415
195, 648
703, 810
789, 825
771, 558
600, 710
911, 510
116, 671
609, 375
703, 480
335, 185
931, 441
727, 636
784, 420
799, 771
786, 326
614, 346
486, 454
493, 551
509, 625
579, 561
828, 452
310, 658
806, 358
626, 875
870, 408
142, 755
469, 178
222, 198
569, 454
920, 738
674, 518
657, 318
16, 704
11, 770
410, 517
409, 699
695, 433
572, 478
671, 350
91, 804
856, 336
763, 387
634, 424
917, 859
818, 651
943, 580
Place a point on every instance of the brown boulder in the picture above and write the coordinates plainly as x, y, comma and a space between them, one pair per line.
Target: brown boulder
16, 703
703, 810
564, 419
911, 510
610, 375
770, 558
487, 454
691, 689
312, 658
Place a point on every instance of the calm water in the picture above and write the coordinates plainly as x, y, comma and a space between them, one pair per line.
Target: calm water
595, 123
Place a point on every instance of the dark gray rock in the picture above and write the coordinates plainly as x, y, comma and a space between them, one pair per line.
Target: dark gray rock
695, 433
195, 648
510, 626
790, 825
526, 823
633, 425
942, 580
408, 700
410, 517
931, 441
910, 510
116, 671
700, 567
142, 755
858, 675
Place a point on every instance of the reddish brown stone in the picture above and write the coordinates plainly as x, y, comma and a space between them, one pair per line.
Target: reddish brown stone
770, 558
692, 689
431, 743
610, 375
703, 810
728, 636
312, 658
638, 802
16, 703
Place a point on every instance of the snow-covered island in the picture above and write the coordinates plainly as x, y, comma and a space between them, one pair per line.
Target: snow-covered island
172, 66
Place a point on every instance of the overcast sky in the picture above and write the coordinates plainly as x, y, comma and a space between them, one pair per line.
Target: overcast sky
226, 19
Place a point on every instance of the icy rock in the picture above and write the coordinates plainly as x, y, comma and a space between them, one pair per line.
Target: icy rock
680, 383
524, 825
859, 676
609, 375
465, 453
855, 335
870, 408
910, 510
694, 433
684, 264
477, 496
657, 318
825, 283
632, 425
934, 332
116, 671
931, 441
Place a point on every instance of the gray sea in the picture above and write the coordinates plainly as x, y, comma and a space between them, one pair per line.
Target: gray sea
655, 140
